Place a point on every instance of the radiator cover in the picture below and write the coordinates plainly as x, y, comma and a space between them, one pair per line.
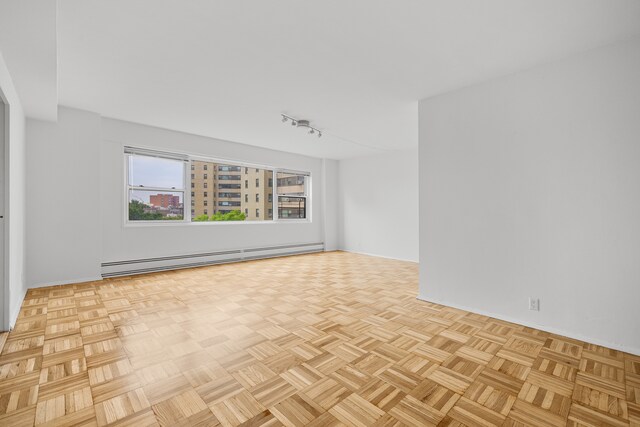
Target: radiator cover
150, 265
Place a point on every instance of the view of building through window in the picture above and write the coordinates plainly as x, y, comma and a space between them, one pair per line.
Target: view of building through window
292, 191
156, 188
234, 196
217, 191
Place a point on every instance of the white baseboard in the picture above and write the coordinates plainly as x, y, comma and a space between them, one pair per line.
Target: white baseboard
377, 255
557, 331
65, 282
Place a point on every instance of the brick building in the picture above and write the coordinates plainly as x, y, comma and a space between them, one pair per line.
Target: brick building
164, 201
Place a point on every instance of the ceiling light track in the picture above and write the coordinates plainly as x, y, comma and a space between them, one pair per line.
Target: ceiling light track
301, 123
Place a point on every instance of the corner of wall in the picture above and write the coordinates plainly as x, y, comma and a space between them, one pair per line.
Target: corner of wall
330, 175
364, 222
14, 200
15, 308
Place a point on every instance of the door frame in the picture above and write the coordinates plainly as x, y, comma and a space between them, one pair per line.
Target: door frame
5, 310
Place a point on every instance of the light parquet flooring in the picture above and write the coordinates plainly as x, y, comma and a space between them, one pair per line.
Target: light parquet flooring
320, 340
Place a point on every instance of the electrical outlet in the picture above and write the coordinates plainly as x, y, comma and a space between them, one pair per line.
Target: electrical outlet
534, 304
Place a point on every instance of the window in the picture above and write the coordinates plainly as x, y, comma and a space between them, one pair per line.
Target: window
229, 186
291, 183
228, 168
234, 202
155, 187
229, 195
292, 190
156, 190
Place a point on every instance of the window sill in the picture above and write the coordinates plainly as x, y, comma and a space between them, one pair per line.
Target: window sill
130, 224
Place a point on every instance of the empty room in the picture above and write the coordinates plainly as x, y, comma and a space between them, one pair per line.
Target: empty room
320, 213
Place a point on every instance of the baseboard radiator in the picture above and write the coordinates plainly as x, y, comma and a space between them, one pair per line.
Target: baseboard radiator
150, 265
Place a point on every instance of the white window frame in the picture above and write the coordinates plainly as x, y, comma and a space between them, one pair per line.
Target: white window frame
307, 195
186, 191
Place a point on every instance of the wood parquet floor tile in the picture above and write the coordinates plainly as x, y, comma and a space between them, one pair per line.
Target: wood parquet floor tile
329, 339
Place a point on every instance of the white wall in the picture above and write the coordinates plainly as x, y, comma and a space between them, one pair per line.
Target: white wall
63, 181
76, 204
530, 187
14, 200
139, 241
378, 199
4, 282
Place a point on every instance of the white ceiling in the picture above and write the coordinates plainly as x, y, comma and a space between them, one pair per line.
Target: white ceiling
355, 68
28, 46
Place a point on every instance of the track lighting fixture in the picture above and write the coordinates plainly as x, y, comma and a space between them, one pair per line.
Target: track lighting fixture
301, 123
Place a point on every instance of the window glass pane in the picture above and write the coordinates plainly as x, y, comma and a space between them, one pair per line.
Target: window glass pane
231, 200
292, 207
148, 205
222, 186
292, 184
145, 171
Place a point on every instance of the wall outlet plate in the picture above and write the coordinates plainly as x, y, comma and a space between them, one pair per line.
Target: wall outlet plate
534, 304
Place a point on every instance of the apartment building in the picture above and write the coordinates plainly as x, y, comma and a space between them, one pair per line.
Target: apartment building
222, 188
257, 194
164, 200
293, 205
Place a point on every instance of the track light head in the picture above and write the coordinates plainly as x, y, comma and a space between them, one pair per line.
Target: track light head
301, 124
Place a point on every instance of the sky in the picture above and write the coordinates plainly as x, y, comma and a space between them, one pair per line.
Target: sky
155, 172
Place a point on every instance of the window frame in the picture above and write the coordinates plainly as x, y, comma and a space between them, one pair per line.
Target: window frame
187, 217
186, 192
306, 196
